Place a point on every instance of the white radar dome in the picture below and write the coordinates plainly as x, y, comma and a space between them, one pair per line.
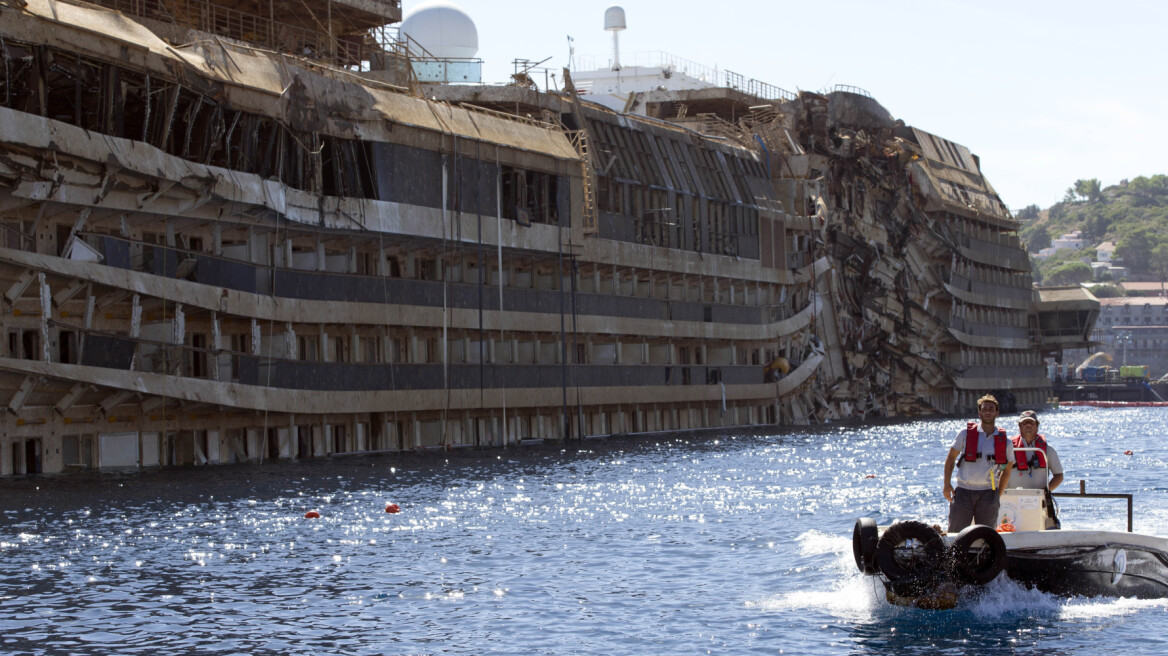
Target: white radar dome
614, 19
442, 28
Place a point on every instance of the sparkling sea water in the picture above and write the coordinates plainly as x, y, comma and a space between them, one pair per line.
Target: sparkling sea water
645, 545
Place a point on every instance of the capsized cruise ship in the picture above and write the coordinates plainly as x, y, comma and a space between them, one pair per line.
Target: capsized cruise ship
237, 232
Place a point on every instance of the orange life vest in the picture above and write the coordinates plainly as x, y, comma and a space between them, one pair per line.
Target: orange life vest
1022, 457
971, 452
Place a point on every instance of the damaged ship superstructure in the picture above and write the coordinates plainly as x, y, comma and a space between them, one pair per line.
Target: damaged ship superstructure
933, 287
216, 253
929, 302
251, 247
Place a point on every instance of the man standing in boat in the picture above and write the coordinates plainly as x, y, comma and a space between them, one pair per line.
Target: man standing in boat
1033, 468
981, 452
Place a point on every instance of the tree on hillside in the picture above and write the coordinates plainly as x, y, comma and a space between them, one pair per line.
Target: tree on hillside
1036, 270
1088, 189
1098, 219
1158, 260
1028, 213
1133, 215
1136, 245
1148, 190
1037, 237
1069, 274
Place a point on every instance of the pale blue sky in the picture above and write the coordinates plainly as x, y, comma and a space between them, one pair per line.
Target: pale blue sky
1044, 92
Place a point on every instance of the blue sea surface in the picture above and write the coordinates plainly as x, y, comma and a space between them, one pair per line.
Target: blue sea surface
646, 545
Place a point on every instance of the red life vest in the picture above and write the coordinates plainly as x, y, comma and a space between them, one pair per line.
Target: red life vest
1022, 457
971, 452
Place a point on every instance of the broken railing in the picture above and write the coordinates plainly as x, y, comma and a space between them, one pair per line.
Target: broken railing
756, 88
345, 49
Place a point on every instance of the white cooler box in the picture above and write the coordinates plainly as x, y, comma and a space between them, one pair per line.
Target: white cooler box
1025, 509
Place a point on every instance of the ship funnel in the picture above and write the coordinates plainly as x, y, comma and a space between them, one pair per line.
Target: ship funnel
614, 21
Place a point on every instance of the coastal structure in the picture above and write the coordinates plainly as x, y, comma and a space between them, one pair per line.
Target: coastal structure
229, 238
1134, 330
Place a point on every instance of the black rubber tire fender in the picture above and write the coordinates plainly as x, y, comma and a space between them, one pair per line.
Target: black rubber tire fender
864, 538
931, 550
978, 565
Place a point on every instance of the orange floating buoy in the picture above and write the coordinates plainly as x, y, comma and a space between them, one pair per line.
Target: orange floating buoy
311, 514
1127, 453
392, 508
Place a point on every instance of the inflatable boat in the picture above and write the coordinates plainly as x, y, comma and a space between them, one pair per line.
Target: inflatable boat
921, 566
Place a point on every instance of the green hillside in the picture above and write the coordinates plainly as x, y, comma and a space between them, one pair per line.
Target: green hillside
1133, 214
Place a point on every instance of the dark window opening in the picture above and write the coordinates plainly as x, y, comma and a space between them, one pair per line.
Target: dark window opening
529, 196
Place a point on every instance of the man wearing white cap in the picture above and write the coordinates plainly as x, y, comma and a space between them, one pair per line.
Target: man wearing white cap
1034, 467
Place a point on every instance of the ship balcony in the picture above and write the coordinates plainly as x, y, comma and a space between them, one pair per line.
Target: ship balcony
314, 285
994, 290
985, 377
671, 234
112, 351
991, 331
1008, 256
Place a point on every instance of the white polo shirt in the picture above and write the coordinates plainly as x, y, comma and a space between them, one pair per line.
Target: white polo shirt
1035, 478
975, 475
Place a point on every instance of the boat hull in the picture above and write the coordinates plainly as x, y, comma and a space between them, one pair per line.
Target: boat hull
1089, 563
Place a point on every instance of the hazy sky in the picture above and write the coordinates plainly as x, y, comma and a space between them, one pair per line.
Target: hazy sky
1044, 92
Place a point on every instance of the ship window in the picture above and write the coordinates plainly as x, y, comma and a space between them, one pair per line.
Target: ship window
665, 174
369, 348
340, 349
17, 235
198, 356
625, 164
682, 164
648, 162
529, 196
306, 347
68, 347
345, 168
24, 344
425, 269
77, 451
604, 195
394, 266
366, 264
423, 350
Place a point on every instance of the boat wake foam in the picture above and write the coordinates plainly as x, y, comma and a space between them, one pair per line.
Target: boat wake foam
1004, 597
1093, 609
852, 595
853, 598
